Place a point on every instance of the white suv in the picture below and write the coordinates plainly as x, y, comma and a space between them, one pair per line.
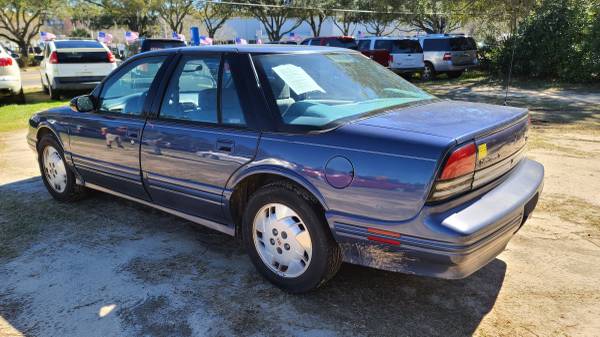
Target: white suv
74, 65
10, 76
405, 54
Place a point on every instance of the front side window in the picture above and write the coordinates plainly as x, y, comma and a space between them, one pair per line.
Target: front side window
319, 89
364, 44
126, 91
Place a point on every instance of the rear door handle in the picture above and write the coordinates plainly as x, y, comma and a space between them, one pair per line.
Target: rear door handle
225, 145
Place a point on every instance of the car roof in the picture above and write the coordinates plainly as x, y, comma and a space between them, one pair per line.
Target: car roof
256, 49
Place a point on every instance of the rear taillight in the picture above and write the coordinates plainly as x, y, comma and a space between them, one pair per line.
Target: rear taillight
53, 58
5, 61
447, 57
457, 174
111, 57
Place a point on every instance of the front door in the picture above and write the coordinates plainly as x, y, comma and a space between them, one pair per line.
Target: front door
199, 138
105, 143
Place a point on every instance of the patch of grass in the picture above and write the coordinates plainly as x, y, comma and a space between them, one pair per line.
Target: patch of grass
541, 143
572, 209
15, 116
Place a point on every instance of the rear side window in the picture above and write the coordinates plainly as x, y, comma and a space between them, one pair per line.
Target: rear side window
383, 44
192, 94
364, 44
406, 47
436, 45
462, 44
77, 44
342, 43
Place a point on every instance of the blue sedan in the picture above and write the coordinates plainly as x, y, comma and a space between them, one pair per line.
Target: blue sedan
310, 155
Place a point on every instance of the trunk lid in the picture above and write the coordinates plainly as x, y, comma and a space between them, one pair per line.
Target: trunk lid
454, 120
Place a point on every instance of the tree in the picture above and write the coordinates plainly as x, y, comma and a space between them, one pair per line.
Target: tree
214, 15
274, 14
431, 16
138, 15
345, 20
382, 20
174, 12
316, 14
21, 20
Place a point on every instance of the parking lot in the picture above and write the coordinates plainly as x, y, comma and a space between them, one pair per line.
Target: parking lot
109, 267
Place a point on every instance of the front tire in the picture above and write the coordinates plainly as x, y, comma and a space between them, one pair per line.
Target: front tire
56, 174
288, 240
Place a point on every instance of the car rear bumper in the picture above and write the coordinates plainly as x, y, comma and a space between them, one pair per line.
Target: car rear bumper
451, 240
407, 70
76, 83
9, 86
449, 66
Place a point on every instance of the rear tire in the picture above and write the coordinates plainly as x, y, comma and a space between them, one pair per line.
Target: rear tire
44, 87
54, 94
56, 174
288, 240
428, 72
454, 74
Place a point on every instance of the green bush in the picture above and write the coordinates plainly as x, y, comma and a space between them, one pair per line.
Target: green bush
558, 41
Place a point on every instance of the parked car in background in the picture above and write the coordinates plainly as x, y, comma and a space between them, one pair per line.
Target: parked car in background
449, 54
10, 76
283, 42
405, 55
342, 161
331, 41
143, 45
74, 65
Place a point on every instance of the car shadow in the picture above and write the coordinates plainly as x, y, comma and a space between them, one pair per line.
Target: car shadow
175, 273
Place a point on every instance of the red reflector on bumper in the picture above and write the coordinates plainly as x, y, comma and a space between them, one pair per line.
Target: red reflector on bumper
383, 232
384, 240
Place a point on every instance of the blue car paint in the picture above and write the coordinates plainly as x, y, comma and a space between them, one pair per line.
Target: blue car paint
395, 157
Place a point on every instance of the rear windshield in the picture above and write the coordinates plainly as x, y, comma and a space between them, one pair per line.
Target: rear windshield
157, 45
399, 46
316, 90
77, 44
82, 57
449, 44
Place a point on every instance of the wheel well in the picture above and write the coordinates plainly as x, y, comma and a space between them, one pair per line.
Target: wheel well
46, 131
245, 188
429, 63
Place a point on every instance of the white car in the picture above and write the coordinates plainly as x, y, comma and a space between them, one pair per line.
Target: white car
74, 65
10, 76
405, 54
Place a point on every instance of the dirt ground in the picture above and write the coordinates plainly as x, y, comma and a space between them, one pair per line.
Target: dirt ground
109, 267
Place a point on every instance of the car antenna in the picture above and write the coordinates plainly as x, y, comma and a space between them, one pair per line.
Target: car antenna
512, 56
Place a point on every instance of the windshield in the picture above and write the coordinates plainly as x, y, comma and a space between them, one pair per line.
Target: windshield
320, 89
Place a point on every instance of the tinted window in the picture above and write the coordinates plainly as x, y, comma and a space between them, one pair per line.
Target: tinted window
77, 44
383, 44
342, 43
462, 44
305, 42
126, 91
319, 89
82, 57
436, 45
148, 45
406, 47
364, 44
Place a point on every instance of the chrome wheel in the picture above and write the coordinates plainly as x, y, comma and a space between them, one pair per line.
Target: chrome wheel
282, 240
54, 169
427, 72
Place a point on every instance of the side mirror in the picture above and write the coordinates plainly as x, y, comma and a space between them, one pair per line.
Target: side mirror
84, 103
15, 56
38, 58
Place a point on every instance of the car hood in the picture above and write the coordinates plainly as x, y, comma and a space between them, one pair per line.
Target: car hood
455, 120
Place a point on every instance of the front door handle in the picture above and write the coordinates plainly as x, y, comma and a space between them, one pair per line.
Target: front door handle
225, 145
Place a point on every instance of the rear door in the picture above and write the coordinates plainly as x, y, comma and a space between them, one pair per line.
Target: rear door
199, 138
406, 54
464, 51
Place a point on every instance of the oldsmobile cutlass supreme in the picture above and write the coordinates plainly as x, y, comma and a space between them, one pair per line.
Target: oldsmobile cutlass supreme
311, 155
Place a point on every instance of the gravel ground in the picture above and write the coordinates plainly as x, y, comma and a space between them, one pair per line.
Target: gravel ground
109, 267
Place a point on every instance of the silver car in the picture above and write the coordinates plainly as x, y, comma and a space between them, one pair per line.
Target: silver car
449, 54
